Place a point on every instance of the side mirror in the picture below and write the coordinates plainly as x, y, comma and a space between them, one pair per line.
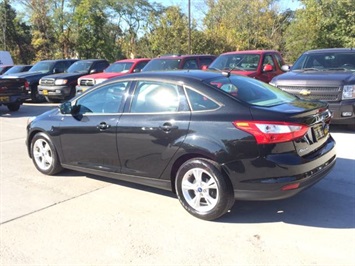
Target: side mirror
66, 108
56, 70
204, 67
286, 68
136, 70
268, 68
92, 71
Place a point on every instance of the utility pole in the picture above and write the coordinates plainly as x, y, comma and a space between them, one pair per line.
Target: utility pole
189, 15
4, 20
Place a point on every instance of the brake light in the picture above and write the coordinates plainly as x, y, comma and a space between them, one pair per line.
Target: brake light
268, 132
27, 86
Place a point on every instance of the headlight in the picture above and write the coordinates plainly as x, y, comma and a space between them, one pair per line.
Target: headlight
348, 92
60, 81
98, 81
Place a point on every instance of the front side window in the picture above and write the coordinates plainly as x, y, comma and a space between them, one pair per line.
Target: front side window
106, 99
155, 97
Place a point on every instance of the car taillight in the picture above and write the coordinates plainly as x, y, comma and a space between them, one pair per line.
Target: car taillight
27, 86
268, 132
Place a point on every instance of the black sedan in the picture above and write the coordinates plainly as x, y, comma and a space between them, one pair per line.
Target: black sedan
210, 137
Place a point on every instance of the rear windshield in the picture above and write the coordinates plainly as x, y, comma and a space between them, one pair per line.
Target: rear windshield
326, 61
251, 90
162, 64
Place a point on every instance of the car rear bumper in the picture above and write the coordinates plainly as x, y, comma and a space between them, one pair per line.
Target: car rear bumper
343, 112
269, 178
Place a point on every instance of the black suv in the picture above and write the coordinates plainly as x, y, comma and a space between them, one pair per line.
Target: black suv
62, 86
39, 70
327, 75
173, 62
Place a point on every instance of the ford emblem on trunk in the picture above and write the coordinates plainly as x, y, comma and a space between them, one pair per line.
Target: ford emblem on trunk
305, 92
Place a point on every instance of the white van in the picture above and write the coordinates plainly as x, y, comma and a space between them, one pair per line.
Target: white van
5, 58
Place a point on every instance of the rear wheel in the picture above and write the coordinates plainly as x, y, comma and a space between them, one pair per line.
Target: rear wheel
44, 155
13, 107
203, 190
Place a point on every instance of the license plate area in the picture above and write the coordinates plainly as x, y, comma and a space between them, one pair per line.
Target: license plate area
45, 92
319, 132
4, 98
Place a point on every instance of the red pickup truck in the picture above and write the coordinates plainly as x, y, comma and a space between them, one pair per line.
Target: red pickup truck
259, 64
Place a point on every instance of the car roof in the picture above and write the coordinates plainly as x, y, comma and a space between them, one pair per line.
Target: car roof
56, 60
133, 60
251, 52
186, 74
183, 56
91, 60
330, 50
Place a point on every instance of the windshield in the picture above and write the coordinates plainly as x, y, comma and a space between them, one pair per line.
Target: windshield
326, 61
119, 67
14, 69
251, 91
162, 64
245, 62
42, 67
80, 67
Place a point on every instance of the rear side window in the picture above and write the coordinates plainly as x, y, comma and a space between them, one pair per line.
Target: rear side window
200, 102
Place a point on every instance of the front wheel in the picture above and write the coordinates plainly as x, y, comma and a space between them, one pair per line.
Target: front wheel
203, 190
44, 155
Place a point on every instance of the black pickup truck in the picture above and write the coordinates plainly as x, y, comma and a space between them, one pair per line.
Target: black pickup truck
39, 70
13, 92
60, 87
326, 75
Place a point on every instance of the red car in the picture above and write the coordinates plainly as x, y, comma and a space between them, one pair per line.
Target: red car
119, 68
259, 64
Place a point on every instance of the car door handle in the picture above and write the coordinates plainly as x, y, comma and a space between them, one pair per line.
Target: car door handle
167, 127
103, 126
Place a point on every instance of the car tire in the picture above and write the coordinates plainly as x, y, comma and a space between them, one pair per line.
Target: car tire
13, 107
203, 190
44, 155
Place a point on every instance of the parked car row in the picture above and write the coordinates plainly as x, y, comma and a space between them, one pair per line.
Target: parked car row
325, 74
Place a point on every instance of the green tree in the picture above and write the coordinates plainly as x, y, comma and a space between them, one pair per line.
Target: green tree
321, 24
244, 25
131, 18
90, 20
43, 39
168, 33
15, 35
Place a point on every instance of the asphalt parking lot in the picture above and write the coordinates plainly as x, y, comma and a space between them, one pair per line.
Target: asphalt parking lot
80, 219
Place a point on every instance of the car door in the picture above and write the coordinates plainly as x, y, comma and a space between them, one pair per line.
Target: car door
88, 138
153, 128
267, 76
